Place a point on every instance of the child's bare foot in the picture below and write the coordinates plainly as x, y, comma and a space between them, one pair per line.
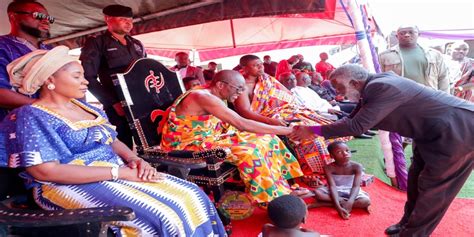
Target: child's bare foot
368, 209
318, 203
302, 192
313, 181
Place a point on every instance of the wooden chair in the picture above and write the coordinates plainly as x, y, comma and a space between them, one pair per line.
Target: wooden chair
146, 91
27, 219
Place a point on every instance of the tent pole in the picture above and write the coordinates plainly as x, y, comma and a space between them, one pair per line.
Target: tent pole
233, 33
361, 35
367, 52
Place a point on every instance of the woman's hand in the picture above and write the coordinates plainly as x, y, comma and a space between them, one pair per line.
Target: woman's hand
145, 170
132, 174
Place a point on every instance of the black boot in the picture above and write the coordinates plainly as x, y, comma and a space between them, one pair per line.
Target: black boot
363, 136
393, 229
370, 133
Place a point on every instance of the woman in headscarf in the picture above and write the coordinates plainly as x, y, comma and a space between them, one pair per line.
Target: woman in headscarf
73, 159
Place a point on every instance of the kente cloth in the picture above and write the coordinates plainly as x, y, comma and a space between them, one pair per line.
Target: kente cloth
467, 92
172, 207
263, 160
272, 99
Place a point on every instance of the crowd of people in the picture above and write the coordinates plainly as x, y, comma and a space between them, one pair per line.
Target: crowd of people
72, 153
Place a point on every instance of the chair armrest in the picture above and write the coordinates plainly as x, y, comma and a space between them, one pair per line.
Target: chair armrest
213, 156
179, 159
42, 218
185, 158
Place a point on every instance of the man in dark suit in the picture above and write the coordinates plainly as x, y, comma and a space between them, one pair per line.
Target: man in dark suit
441, 126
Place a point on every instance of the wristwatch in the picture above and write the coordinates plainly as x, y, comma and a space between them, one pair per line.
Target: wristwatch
114, 172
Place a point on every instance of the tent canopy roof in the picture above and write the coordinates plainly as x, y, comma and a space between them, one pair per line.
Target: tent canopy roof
151, 16
216, 28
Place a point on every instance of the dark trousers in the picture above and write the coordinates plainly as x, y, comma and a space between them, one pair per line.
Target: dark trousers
124, 134
438, 171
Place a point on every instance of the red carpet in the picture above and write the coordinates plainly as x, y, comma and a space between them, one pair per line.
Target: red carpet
387, 208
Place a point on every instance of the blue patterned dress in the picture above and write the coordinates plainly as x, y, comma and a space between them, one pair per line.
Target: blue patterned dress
172, 207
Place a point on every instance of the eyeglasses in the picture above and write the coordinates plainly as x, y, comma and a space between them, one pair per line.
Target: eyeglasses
39, 16
238, 89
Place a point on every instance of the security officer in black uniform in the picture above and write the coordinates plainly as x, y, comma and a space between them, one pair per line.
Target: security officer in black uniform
108, 54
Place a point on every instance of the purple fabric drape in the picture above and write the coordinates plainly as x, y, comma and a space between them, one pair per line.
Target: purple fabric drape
395, 138
460, 35
399, 160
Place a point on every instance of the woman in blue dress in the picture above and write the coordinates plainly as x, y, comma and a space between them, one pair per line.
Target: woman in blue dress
73, 159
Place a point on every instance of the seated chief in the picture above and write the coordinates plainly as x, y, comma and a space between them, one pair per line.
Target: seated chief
200, 120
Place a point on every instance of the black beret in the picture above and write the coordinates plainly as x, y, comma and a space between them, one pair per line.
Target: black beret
118, 11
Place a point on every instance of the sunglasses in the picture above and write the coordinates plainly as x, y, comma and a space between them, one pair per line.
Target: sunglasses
39, 16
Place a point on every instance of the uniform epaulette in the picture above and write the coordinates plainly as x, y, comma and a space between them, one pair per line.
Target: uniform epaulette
388, 51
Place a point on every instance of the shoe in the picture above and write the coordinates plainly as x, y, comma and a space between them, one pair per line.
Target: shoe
393, 229
363, 136
370, 133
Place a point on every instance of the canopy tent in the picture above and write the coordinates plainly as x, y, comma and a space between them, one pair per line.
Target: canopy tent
435, 18
275, 24
249, 35
216, 28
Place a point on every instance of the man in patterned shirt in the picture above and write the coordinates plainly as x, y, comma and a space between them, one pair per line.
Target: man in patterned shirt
30, 24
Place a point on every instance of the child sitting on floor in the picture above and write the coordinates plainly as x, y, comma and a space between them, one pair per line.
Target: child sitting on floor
343, 183
287, 213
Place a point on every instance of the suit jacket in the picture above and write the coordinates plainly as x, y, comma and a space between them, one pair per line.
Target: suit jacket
397, 104
192, 72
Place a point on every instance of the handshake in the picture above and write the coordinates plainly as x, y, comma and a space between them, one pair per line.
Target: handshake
300, 132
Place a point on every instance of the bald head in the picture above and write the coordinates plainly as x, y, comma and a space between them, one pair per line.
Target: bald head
288, 80
459, 50
459, 43
229, 85
303, 79
230, 76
